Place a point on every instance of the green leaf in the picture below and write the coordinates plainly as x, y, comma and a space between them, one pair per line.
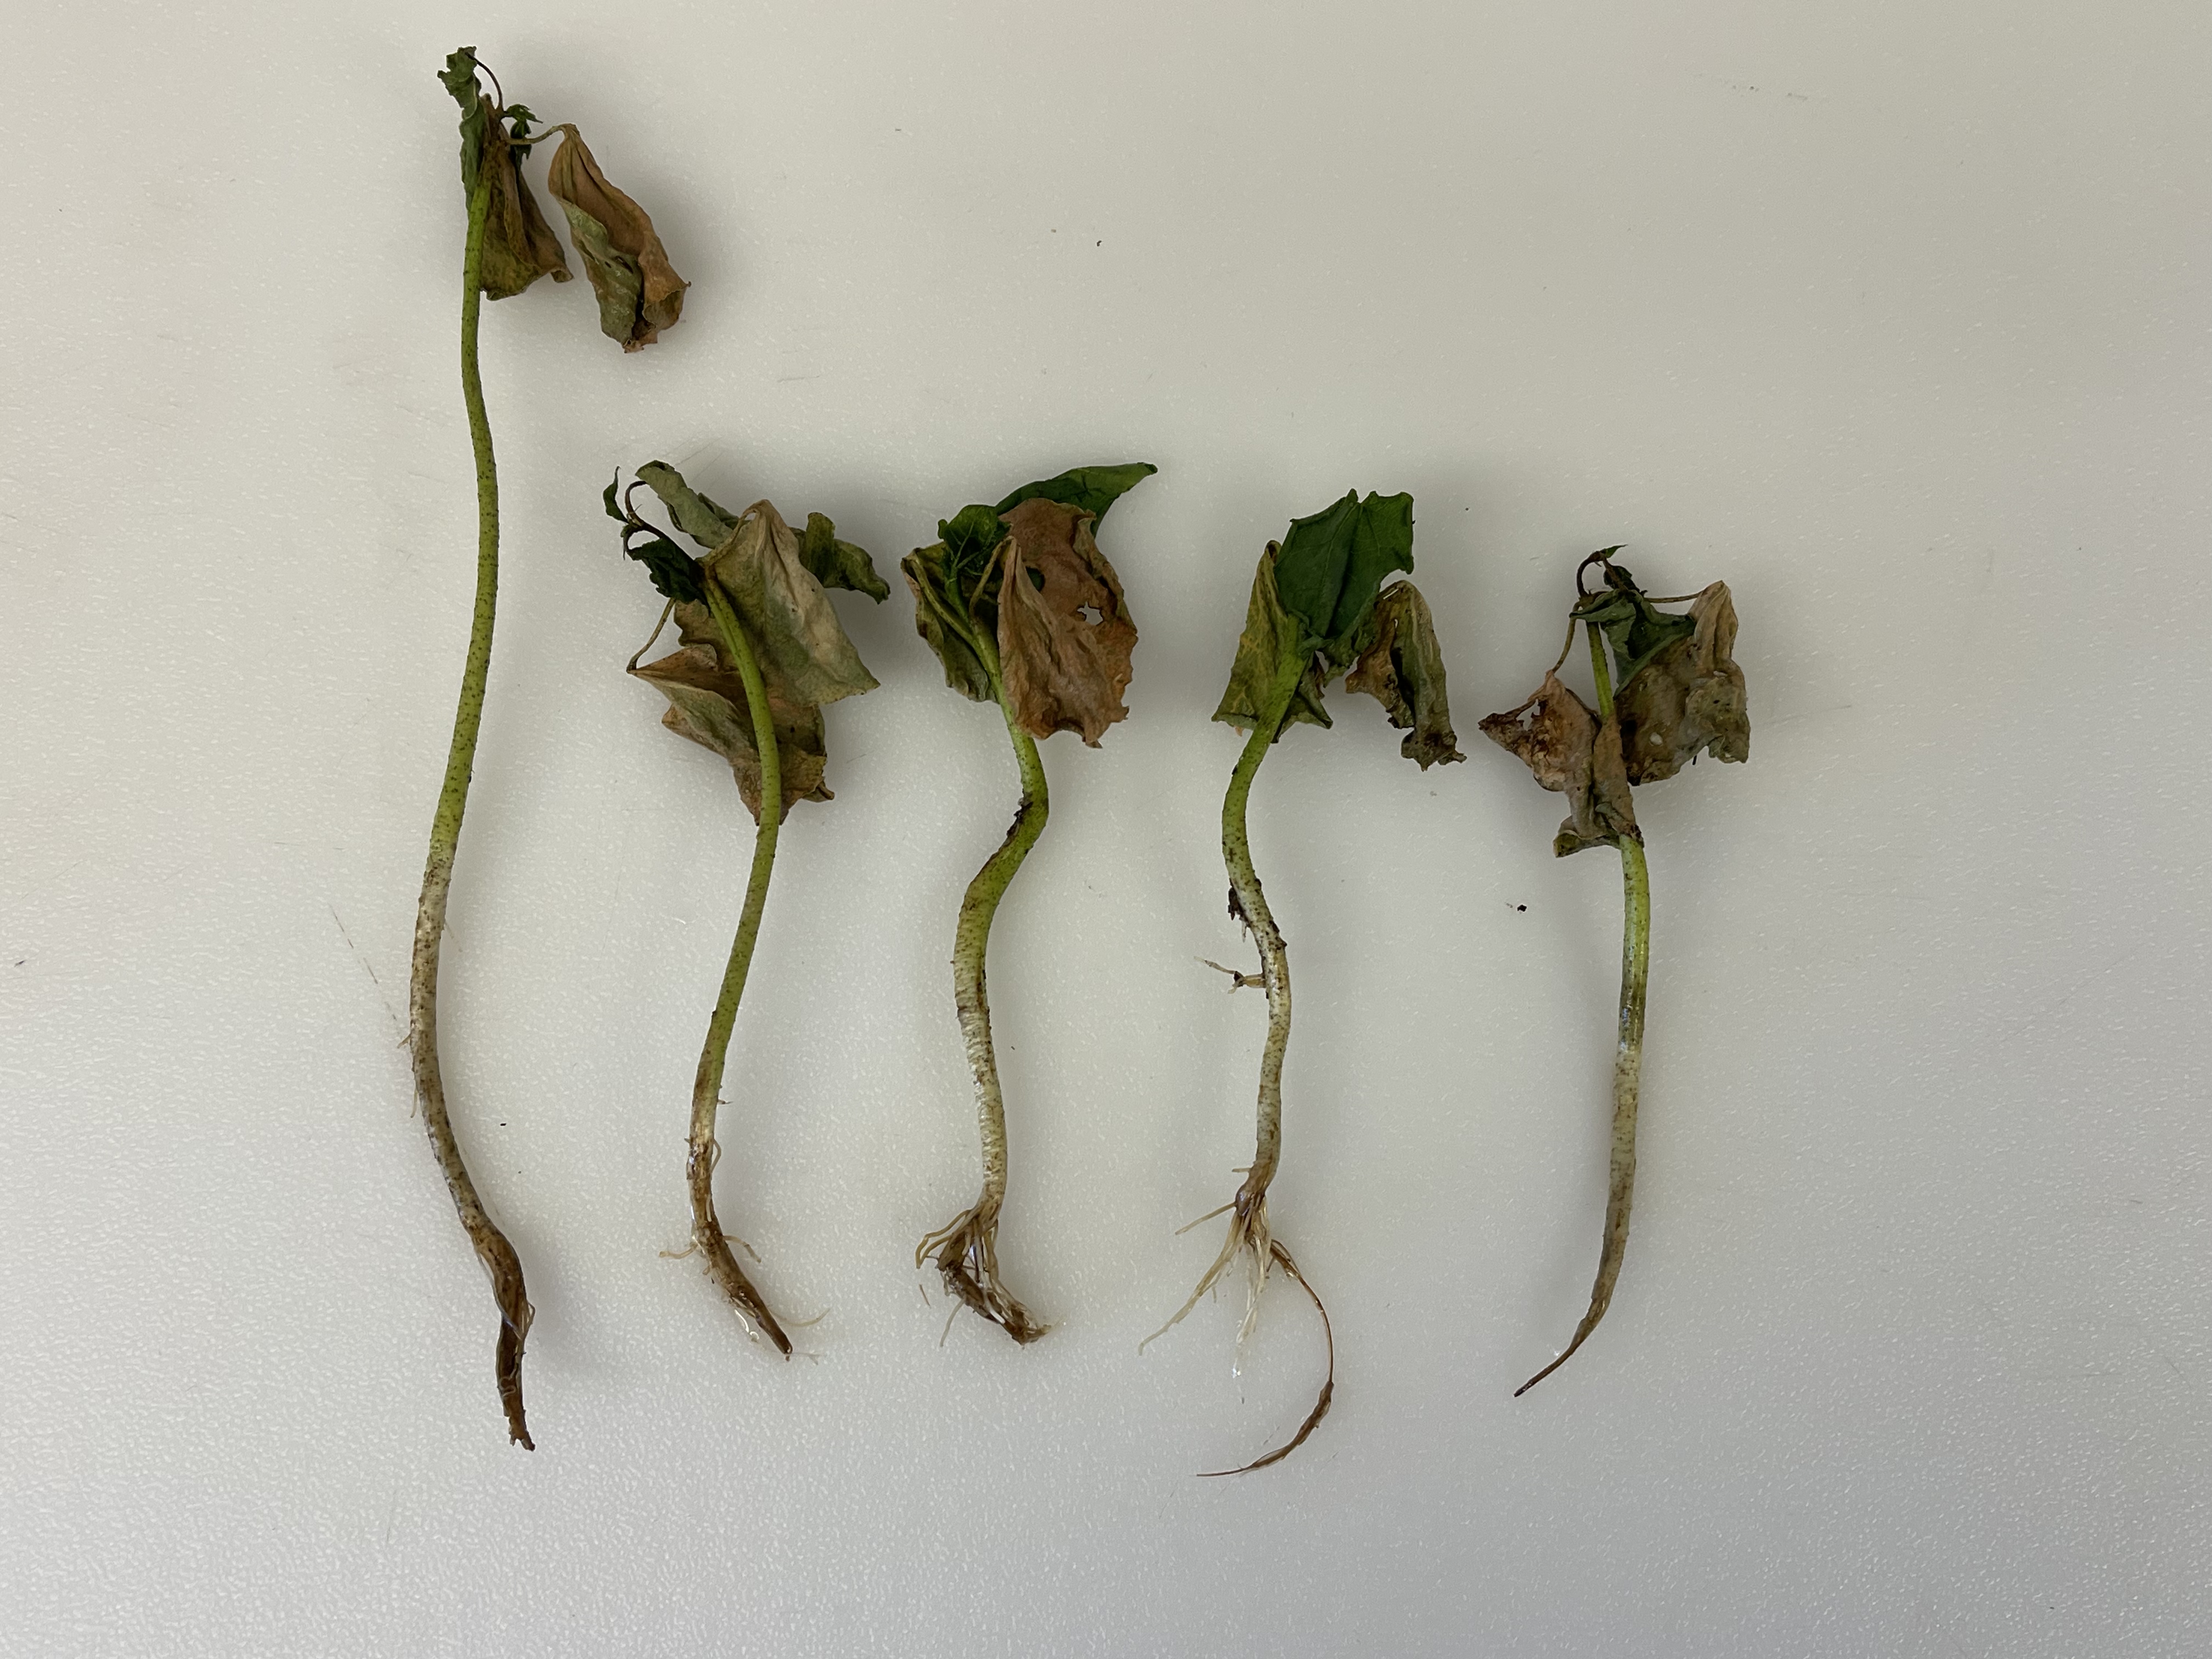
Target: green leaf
676, 574
460, 78
836, 563
696, 515
1332, 562
928, 575
970, 537
1090, 489
613, 499
1273, 648
1635, 629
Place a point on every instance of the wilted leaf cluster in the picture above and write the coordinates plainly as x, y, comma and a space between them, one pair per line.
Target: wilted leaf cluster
771, 578
1318, 610
1021, 608
1679, 695
639, 292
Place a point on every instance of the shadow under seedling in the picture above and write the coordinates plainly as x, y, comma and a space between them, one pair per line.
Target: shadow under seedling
1680, 695
1023, 611
760, 651
1314, 613
509, 247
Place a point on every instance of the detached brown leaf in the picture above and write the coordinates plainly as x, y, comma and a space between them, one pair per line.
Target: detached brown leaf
1688, 699
1403, 669
1558, 738
1065, 638
640, 293
707, 703
519, 245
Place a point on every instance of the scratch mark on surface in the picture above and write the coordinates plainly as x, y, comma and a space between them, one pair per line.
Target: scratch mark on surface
392, 1012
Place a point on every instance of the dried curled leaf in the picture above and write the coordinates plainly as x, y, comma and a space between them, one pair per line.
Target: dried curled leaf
1272, 637
1561, 741
804, 653
707, 703
640, 293
1065, 636
1688, 697
519, 245
1402, 668
835, 564
760, 566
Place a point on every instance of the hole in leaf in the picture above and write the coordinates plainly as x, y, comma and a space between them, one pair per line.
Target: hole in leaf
1090, 614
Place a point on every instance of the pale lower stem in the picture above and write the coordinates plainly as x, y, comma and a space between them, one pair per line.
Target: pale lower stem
492, 1247
707, 1235
1627, 1063
966, 1249
1249, 1235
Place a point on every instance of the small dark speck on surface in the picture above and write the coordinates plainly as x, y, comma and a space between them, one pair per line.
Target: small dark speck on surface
1520, 906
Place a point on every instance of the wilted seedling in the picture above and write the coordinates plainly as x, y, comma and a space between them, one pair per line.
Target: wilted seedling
1023, 611
1680, 696
509, 247
760, 651
1315, 613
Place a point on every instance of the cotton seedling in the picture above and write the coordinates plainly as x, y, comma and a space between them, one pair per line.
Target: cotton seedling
760, 651
1680, 696
1023, 611
509, 245
1317, 609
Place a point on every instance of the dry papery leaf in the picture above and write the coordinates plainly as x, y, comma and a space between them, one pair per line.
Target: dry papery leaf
707, 703
1688, 699
640, 293
1065, 638
1560, 738
804, 652
1402, 668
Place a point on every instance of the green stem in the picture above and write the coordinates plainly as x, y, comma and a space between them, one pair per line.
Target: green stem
492, 1247
707, 1235
1628, 1056
966, 1249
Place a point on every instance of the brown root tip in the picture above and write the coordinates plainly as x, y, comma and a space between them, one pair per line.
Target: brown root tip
509, 1364
722, 1267
966, 1255
1321, 1402
1582, 1334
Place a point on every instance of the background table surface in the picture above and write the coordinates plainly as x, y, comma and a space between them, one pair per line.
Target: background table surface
1892, 318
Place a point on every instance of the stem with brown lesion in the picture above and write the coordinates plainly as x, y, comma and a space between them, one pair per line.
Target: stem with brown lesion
492, 1247
1249, 1235
1628, 1055
966, 1249
708, 1237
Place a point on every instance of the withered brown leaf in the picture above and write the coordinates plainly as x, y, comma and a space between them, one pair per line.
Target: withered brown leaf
1561, 741
1402, 668
640, 293
519, 245
1065, 636
707, 703
1688, 699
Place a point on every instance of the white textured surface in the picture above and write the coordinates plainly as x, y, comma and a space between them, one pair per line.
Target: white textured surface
1895, 320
